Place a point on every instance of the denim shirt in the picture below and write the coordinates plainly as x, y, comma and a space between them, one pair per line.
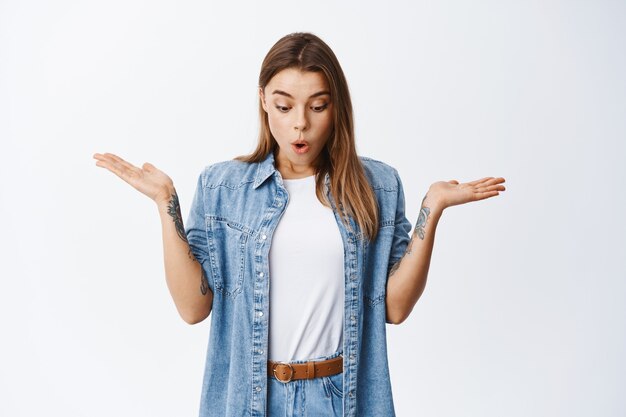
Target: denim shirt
235, 210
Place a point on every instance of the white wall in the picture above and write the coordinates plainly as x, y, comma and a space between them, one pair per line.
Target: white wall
524, 312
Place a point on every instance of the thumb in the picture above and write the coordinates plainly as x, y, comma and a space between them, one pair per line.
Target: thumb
148, 167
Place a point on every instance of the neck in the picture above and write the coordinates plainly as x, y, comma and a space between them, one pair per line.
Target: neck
289, 170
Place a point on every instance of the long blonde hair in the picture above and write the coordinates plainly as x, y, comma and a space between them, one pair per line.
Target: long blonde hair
348, 183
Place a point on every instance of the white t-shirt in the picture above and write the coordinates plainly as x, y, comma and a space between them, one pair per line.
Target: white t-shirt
306, 306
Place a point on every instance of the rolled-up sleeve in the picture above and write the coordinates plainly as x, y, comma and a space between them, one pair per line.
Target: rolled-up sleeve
402, 228
195, 228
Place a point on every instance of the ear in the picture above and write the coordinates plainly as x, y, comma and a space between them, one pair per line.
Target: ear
262, 98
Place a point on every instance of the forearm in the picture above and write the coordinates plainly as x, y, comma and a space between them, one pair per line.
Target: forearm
185, 277
407, 278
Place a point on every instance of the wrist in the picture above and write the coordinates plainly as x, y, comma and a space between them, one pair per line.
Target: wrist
434, 202
164, 200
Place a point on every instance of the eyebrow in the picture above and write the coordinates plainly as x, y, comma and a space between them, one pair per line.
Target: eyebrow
283, 93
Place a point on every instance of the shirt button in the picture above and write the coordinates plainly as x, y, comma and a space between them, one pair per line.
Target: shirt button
258, 389
351, 357
261, 351
353, 318
260, 314
261, 274
263, 237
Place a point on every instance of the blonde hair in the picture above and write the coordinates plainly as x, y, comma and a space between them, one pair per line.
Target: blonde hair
348, 183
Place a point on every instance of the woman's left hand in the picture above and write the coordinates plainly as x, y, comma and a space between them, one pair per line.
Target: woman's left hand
443, 194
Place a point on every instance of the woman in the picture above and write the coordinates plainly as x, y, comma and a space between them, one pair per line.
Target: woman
325, 229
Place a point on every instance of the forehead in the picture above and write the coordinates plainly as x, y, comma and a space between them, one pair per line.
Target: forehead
300, 84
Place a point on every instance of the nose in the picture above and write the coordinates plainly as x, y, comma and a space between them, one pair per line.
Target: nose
301, 123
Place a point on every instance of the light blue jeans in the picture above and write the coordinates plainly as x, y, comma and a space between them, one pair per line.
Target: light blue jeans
317, 397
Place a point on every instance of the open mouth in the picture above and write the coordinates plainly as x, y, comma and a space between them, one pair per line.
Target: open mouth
300, 147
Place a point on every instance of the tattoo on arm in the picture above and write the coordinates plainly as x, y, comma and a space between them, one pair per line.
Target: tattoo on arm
173, 209
418, 231
395, 267
421, 220
204, 282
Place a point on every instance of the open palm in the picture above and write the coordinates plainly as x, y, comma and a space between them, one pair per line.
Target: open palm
148, 179
451, 193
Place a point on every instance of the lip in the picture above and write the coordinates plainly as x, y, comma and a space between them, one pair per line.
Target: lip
302, 149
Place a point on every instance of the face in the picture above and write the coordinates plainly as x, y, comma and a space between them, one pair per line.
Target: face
299, 111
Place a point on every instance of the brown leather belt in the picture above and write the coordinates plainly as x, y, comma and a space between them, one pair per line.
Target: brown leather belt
286, 372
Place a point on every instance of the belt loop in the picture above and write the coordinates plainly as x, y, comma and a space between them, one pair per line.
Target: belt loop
311, 370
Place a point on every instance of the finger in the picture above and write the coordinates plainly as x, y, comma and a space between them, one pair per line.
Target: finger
100, 157
455, 182
488, 194
123, 169
111, 155
122, 162
476, 182
494, 187
104, 161
108, 157
497, 180
148, 167
112, 166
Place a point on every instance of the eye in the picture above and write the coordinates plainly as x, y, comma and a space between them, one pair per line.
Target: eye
282, 109
319, 108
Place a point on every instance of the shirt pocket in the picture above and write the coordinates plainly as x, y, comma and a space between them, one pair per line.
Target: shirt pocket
228, 242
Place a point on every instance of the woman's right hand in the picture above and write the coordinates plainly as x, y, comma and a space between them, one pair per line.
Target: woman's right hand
148, 179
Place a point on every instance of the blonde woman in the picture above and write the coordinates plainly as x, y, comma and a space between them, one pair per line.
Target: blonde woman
301, 250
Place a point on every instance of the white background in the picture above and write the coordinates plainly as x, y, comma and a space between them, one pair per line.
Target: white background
524, 312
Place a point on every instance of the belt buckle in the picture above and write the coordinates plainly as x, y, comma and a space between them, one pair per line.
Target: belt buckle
290, 375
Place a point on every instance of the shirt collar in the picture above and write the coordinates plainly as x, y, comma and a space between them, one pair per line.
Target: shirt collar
264, 169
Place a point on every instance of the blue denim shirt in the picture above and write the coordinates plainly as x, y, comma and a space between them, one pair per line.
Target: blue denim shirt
235, 210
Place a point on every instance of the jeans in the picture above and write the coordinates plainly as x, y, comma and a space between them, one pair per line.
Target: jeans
317, 397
